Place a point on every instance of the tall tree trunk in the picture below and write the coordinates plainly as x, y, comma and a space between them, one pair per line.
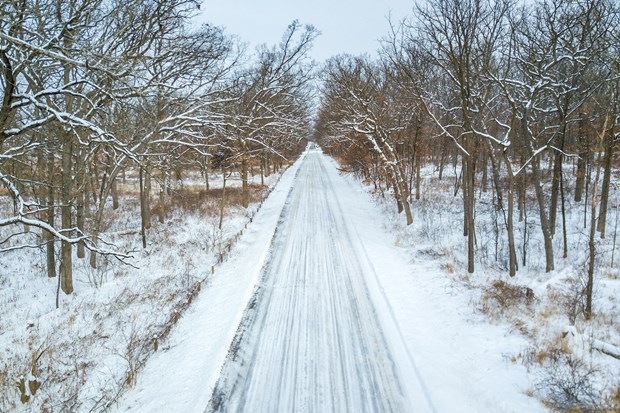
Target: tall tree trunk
564, 232
512, 251
582, 160
418, 167
143, 207
146, 194
555, 190
404, 190
485, 171
525, 238
522, 191
557, 169
80, 179
87, 192
50, 239
544, 219
471, 197
223, 199
442, 160
465, 183
391, 182
94, 180
591, 245
495, 173
114, 191
161, 206
66, 264
404, 194
607, 165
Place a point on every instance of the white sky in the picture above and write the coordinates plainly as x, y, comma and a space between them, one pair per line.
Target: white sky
346, 25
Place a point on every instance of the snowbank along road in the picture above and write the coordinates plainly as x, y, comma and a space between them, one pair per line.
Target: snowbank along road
310, 339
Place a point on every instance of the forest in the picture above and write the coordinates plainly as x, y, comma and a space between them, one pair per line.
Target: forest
523, 101
94, 88
486, 130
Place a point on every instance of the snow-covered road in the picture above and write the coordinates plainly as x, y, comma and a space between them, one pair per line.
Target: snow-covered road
326, 314
310, 339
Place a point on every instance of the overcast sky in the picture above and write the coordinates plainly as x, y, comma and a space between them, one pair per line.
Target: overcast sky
351, 26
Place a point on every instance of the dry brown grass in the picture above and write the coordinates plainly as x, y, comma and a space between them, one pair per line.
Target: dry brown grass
613, 401
208, 201
501, 297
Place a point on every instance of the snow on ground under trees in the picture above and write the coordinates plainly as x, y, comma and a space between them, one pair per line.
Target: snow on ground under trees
92, 347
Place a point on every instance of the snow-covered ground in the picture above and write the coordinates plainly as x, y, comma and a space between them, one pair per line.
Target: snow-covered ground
540, 314
181, 377
92, 347
339, 318
327, 302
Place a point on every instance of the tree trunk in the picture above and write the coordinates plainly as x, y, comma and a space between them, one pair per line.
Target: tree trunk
87, 192
418, 167
80, 195
442, 160
555, 190
522, 192
114, 190
404, 195
471, 232
607, 165
485, 171
161, 206
50, 239
143, 208
512, 251
495, 173
564, 232
391, 182
591, 247
79, 221
147, 197
544, 219
66, 265
223, 199
464, 185
582, 160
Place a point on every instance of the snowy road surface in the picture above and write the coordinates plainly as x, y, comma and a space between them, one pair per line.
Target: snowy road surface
326, 314
310, 339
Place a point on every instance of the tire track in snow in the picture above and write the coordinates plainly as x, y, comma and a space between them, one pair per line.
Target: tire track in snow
310, 339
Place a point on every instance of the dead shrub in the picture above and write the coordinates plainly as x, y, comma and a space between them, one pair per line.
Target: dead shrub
567, 383
500, 297
573, 298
